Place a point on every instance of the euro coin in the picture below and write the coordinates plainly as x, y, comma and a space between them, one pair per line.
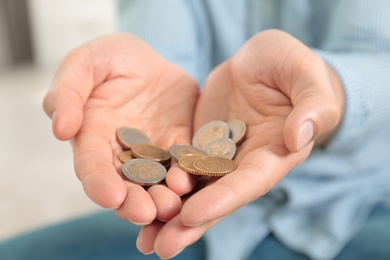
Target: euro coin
125, 156
209, 132
179, 150
151, 152
214, 166
186, 162
127, 137
238, 130
222, 147
144, 172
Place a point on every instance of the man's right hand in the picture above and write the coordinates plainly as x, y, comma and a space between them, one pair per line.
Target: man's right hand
110, 82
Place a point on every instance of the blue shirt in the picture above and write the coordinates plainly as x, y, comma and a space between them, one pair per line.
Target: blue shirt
319, 206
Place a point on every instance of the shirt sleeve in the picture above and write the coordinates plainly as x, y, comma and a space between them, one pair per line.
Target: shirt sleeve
357, 46
176, 29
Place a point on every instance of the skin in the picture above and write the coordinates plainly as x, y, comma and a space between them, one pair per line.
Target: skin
114, 81
274, 83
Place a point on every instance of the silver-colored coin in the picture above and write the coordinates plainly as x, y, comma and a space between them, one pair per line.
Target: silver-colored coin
144, 172
237, 130
178, 150
127, 137
222, 147
209, 132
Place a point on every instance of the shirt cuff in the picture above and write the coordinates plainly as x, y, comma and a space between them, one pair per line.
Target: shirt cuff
359, 99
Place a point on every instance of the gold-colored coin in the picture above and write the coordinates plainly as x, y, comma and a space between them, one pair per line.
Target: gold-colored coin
186, 162
214, 166
151, 152
238, 130
127, 137
179, 150
125, 156
209, 132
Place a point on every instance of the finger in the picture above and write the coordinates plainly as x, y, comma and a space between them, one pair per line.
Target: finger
147, 236
257, 173
138, 207
173, 237
179, 181
308, 120
93, 162
168, 203
77, 75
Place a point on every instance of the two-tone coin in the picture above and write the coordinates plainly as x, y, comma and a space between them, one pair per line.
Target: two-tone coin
238, 130
179, 150
209, 132
221, 147
213, 147
127, 137
144, 172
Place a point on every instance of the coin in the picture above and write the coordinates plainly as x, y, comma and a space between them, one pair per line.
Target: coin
178, 150
221, 147
213, 147
124, 156
144, 172
214, 166
151, 152
127, 137
209, 132
186, 162
238, 130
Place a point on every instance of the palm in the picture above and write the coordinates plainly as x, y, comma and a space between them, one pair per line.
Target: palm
142, 90
274, 84
229, 94
264, 109
262, 92
159, 107
117, 81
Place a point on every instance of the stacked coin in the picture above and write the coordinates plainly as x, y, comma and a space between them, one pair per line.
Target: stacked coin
143, 163
217, 142
211, 153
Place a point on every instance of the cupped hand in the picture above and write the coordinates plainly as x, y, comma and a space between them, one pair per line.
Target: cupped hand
289, 99
110, 82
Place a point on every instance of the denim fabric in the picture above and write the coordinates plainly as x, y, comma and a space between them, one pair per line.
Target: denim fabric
104, 236
101, 236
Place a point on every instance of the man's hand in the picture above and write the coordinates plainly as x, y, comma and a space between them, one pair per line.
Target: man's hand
116, 81
288, 98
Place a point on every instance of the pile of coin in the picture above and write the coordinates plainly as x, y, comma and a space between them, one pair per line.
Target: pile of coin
211, 153
143, 163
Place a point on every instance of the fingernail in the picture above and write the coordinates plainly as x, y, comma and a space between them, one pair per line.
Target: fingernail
306, 133
162, 220
175, 254
149, 253
53, 117
140, 223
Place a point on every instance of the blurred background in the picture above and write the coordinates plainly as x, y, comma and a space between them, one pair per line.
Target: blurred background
38, 186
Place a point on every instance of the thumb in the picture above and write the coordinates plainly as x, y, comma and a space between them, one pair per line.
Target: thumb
316, 114
72, 85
